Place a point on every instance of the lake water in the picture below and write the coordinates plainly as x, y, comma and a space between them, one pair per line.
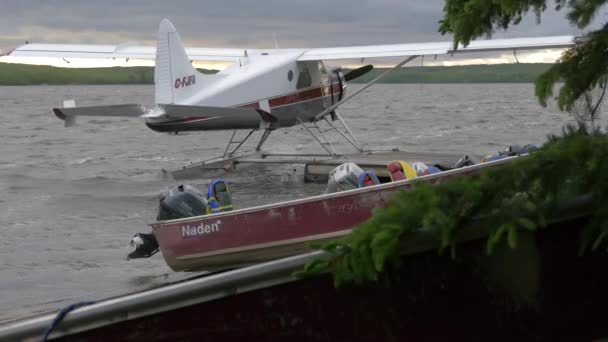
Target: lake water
71, 198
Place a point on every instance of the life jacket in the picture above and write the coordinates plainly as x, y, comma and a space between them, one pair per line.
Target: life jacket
368, 178
433, 169
218, 197
421, 168
399, 170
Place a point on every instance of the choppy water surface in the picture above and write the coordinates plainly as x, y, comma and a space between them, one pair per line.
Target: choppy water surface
71, 198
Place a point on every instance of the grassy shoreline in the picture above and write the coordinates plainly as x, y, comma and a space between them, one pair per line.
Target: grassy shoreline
25, 74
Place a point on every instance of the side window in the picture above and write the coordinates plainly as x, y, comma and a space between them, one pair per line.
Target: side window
304, 79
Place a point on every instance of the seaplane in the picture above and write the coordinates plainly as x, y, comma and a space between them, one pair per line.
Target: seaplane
262, 90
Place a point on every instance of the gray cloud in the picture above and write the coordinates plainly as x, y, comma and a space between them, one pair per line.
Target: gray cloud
239, 23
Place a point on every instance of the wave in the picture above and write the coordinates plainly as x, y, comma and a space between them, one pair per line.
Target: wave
80, 161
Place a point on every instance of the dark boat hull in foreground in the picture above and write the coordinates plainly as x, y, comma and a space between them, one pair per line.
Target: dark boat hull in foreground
543, 290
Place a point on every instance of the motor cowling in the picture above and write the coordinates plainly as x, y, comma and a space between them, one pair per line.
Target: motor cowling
181, 201
334, 83
344, 177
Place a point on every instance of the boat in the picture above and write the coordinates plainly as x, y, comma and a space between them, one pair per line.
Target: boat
237, 238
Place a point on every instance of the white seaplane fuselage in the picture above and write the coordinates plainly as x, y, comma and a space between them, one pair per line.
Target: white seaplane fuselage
289, 90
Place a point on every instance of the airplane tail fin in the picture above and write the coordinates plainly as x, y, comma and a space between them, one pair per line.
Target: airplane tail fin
176, 79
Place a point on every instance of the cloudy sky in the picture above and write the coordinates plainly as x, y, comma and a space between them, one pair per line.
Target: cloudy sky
234, 23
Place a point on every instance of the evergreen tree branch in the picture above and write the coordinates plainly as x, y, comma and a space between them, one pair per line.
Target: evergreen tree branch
579, 68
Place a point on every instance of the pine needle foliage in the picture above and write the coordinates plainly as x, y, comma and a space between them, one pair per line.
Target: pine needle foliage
502, 201
579, 69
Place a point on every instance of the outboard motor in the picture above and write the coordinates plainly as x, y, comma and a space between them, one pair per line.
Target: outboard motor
180, 202
344, 177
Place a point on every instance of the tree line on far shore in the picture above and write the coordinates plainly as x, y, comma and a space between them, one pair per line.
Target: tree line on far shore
24, 74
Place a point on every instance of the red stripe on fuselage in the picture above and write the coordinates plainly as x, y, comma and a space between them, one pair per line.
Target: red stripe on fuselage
295, 97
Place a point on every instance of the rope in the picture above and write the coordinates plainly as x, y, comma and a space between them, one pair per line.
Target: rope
60, 316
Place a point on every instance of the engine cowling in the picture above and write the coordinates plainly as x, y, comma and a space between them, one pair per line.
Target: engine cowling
333, 83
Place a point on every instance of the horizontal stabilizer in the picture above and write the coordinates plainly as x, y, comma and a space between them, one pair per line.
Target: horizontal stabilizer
125, 110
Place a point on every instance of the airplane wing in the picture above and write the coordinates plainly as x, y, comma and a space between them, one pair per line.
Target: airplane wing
127, 50
131, 50
439, 48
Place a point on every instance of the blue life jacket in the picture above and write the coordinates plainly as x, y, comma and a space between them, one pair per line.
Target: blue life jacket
433, 169
218, 196
368, 178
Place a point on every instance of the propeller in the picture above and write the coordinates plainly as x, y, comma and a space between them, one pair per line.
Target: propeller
358, 72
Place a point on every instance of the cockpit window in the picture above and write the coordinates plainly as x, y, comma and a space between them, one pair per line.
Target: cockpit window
304, 79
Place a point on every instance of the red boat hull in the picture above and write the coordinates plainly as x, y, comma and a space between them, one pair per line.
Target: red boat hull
272, 231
